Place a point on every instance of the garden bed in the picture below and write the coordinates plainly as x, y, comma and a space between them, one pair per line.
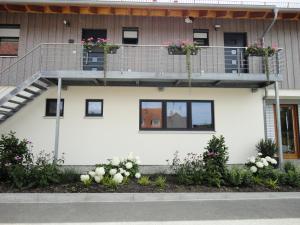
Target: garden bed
133, 187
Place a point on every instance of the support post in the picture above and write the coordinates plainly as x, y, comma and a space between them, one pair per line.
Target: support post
58, 100
278, 122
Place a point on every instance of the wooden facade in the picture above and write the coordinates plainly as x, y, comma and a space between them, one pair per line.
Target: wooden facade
49, 28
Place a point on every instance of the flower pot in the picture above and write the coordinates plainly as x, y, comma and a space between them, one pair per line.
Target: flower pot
180, 51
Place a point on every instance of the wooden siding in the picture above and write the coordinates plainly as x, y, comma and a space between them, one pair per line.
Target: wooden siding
49, 28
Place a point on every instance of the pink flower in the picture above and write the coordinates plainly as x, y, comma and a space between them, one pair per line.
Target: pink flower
18, 158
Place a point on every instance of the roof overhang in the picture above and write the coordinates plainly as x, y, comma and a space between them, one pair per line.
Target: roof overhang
161, 8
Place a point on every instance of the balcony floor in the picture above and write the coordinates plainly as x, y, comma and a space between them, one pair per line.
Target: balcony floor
153, 79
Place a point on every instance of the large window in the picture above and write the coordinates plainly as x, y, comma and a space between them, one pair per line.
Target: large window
9, 40
51, 107
176, 115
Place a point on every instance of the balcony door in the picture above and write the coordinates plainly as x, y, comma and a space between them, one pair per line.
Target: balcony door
234, 55
93, 59
289, 130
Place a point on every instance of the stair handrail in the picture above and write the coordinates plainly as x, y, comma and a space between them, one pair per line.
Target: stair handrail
18, 60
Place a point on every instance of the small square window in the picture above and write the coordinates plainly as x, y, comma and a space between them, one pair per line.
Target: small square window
130, 35
94, 107
201, 37
51, 107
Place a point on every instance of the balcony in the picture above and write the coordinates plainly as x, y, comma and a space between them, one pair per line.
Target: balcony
144, 65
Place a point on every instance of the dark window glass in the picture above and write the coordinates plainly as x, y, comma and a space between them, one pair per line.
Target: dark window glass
176, 115
51, 107
130, 35
202, 117
94, 107
201, 37
151, 115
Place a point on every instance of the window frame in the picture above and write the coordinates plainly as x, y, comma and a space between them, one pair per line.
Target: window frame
11, 26
130, 29
201, 31
48, 100
189, 115
87, 104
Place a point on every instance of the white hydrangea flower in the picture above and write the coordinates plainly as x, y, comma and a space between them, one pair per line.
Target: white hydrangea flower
118, 178
130, 156
128, 165
265, 162
127, 174
121, 170
268, 158
115, 161
92, 173
84, 177
137, 175
98, 179
137, 160
252, 159
100, 171
259, 154
113, 172
273, 161
259, 164
253, 169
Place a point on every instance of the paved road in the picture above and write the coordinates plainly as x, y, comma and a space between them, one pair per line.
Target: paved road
180, 211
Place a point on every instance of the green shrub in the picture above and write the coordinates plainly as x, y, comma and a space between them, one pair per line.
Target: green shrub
289, 166
239, 177
190, 170
267, 147
268, 173
160, 182
292, 178
109, 182
69, 175
215, 158
270, 183
13, 154
144, 181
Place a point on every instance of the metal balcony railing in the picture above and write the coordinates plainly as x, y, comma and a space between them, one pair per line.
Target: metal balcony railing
152, 60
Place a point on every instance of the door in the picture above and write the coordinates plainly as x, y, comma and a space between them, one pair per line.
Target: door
235, 59
93, 59
289, 130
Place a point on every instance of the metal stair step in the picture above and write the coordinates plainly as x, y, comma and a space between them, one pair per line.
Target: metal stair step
39, 86
16, 102
46, 81
5, 112
8, 107
30, 91
24, 97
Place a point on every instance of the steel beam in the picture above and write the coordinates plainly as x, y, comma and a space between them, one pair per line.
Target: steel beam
58, 100
278, 122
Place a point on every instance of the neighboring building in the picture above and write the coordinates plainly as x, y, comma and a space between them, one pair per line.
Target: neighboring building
139, 99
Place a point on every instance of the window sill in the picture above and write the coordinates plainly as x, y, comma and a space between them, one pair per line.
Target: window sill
52, 117
8, 56
93, 117
176, 132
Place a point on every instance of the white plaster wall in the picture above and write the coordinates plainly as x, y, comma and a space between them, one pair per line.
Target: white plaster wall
87, 141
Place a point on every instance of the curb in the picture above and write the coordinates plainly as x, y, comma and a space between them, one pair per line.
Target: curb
141, 197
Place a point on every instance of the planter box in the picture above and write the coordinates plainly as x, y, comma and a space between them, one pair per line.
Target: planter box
180, 51
111, 50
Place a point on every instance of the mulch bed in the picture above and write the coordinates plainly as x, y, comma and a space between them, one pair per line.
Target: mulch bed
133, 186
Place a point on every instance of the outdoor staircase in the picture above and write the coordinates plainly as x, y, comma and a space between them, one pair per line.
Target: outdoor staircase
18, 97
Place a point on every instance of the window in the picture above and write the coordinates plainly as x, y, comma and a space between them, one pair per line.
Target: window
51, 107
201, 37
94, 107
176, 115
130, 35
9, 40
151, 114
